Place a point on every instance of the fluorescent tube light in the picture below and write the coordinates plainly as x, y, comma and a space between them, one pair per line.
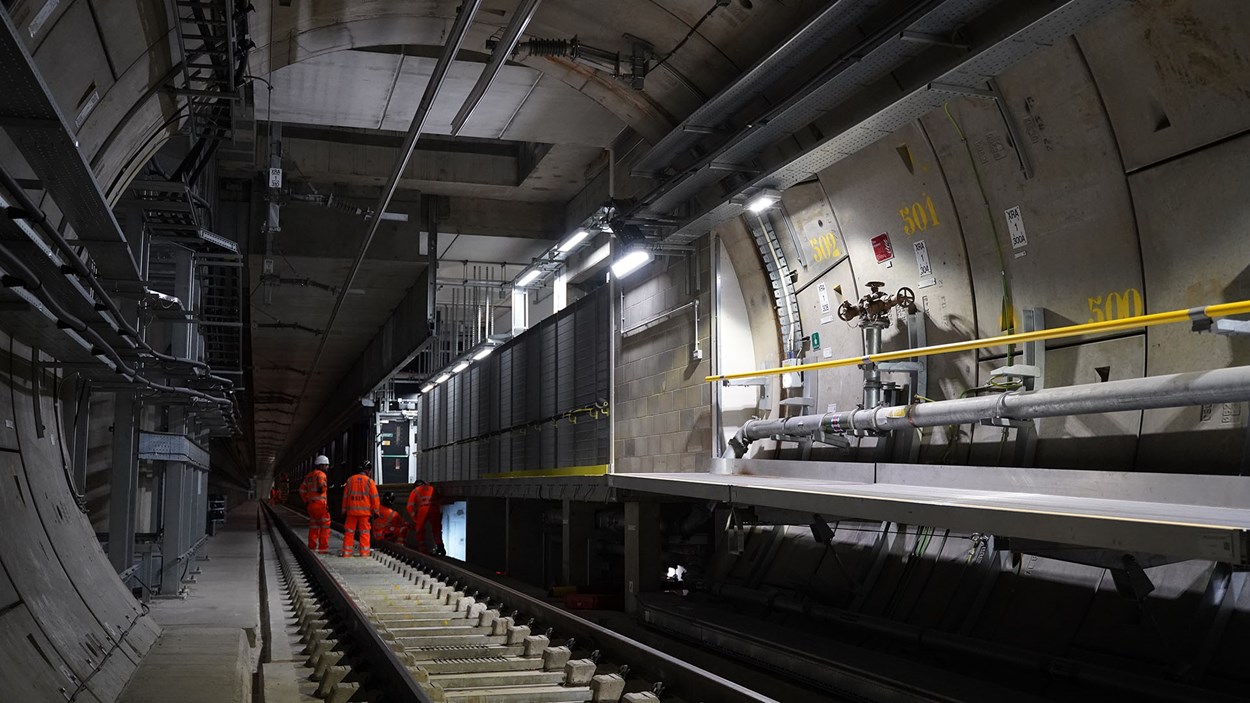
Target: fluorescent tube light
630, 262
578, 237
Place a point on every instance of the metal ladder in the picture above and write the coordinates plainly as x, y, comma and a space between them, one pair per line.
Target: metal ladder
206, 37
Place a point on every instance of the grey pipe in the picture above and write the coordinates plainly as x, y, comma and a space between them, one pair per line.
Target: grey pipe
872, 372
1171, 391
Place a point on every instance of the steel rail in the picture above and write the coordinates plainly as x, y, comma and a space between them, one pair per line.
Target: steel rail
503, 51
682, 678
1196, 314
386, 670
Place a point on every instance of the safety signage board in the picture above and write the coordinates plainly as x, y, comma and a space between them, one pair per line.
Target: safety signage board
815, 341
1015, 228
882, 248
923, 267
822, 292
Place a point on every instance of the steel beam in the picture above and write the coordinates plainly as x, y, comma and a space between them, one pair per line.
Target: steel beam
642, 551
123, 481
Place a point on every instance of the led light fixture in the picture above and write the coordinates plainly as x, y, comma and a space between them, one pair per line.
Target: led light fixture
630, 262
577, 238
442, 378
483, 353
764, 200
460, 367
427, 388
528, 278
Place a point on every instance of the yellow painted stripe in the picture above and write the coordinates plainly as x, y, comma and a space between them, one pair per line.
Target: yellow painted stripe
1128, 323
596, 470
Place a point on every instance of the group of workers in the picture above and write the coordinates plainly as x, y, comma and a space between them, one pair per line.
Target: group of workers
370, 515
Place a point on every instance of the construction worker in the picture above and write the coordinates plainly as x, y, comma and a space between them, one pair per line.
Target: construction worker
360, 501
313, 493
424, 509
388, 523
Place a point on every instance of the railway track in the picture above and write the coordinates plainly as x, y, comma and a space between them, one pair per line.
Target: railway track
399, 626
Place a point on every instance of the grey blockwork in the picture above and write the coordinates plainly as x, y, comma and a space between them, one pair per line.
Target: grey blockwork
516, 409
68, 626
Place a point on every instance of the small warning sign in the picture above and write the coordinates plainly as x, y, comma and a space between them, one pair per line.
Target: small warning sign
822, 292
882, 248
1015, 227
923, 266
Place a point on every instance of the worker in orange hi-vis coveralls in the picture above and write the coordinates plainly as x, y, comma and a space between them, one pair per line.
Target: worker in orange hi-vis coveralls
360, 500
389, 523
313, 493
424, 509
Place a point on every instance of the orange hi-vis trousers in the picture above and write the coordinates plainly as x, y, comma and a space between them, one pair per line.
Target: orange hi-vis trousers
319, 526
350, 526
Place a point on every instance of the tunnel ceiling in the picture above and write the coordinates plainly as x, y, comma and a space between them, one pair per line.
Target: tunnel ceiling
346, 79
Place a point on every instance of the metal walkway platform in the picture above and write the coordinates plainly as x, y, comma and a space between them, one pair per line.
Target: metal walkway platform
1181, 516
1188, 517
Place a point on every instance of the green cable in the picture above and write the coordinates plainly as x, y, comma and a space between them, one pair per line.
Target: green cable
1007, 316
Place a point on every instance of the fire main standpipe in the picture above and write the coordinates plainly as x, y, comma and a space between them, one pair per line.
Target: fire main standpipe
1171, 391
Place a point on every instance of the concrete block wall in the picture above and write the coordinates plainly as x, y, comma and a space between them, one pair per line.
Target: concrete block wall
662, 412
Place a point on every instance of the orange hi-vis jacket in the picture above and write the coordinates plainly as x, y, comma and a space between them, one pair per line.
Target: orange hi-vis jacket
360, 496
388, 524
419, 502
314, 486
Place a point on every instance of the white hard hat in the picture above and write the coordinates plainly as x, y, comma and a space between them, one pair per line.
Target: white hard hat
321, 460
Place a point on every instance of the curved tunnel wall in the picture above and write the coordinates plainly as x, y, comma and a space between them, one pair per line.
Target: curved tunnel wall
69, 629
1135, 133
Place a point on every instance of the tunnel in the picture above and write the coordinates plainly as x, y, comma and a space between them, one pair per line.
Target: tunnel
666, 350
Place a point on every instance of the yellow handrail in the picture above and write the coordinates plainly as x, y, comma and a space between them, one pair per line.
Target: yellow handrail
1128, 323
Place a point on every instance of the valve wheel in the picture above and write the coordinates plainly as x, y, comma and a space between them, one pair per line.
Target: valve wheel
905, 297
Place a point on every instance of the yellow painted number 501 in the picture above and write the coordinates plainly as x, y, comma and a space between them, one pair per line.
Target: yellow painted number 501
919, 217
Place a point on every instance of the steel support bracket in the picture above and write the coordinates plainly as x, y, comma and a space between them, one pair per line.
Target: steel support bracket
1023, 371
1006, 422
832, 440
1224, 326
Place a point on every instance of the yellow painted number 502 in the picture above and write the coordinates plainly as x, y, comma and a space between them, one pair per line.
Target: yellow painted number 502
825, 248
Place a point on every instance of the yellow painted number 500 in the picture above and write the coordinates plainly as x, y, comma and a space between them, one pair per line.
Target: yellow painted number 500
1115, 306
